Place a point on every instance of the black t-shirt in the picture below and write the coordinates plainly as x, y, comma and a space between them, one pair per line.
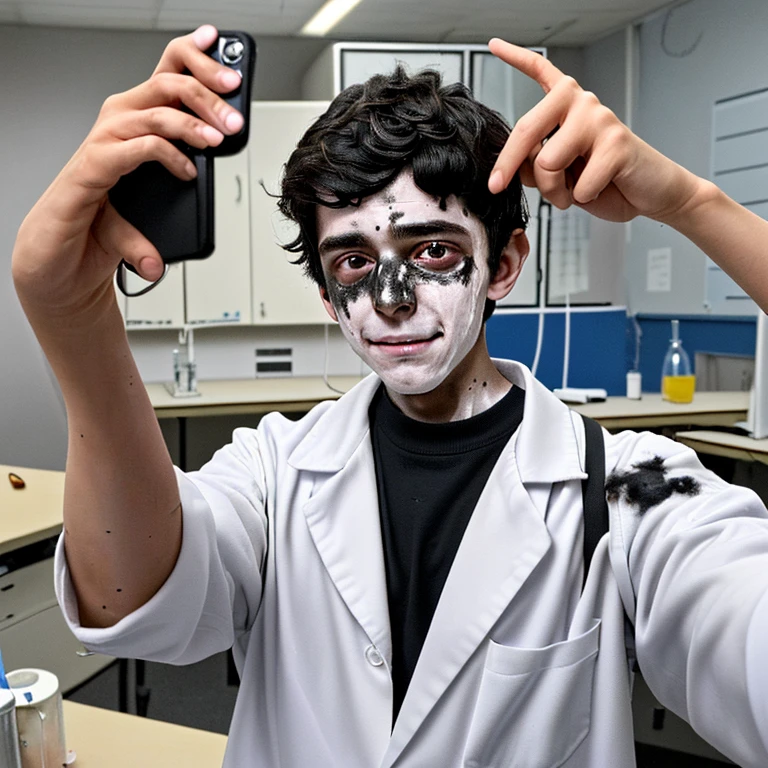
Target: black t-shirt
429, 478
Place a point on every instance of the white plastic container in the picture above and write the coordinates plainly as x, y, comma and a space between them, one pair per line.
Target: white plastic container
39, 718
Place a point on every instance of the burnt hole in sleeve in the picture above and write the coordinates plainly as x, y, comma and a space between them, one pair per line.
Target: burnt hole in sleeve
646, 485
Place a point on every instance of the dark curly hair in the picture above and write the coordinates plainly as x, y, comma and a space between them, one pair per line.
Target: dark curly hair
373, 131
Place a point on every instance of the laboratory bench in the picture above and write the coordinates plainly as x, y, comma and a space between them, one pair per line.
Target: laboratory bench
727, 444
297, 395
708, 409
33, 632
103, 737
239, 397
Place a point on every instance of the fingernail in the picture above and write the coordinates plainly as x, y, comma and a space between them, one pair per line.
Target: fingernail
211, 135
496, 182
230, 79
234, 121
190, 169
204, 36
150, 269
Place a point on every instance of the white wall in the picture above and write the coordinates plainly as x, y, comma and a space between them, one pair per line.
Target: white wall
674, 114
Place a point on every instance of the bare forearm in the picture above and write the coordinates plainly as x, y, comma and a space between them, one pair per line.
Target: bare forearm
121, 510
732, 236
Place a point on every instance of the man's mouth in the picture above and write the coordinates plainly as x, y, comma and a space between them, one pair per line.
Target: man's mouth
404, 344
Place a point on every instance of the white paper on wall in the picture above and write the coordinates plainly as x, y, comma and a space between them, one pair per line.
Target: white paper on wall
659, 275
569, 252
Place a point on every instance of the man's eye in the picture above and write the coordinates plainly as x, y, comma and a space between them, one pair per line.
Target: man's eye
436, 255
355, 262
435, 251
351, 268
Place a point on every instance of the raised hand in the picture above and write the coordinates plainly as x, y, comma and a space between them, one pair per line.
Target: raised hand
576, 151
71, 242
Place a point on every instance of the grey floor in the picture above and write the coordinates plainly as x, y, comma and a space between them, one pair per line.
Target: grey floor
196, 695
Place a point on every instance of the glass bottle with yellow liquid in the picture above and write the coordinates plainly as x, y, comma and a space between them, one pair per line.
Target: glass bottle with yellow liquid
677, 380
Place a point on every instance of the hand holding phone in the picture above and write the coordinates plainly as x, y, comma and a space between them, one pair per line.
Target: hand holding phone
175, 215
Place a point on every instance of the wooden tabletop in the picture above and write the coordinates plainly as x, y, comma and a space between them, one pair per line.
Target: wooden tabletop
708, 409
31, 513
726, 444
102, 737
236, 396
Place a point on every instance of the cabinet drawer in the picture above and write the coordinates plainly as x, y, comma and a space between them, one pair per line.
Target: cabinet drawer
44, 641
26, 591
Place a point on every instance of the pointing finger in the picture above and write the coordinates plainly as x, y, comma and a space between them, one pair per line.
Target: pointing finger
526, 137
530, 63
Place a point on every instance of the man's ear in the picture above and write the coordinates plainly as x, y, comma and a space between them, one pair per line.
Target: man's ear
511, 264
327, 304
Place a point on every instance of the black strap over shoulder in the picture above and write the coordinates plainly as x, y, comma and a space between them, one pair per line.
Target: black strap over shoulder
596, 520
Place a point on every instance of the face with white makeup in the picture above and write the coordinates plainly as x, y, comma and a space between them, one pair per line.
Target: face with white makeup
407, 279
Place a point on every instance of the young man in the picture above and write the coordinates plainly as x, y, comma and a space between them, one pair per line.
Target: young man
400, 572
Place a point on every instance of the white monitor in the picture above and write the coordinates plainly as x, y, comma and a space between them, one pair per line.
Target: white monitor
757, 417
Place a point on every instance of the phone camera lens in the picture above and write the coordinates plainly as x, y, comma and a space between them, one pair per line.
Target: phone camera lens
232, 52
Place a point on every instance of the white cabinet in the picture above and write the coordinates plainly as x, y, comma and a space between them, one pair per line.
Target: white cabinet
215, 290
282, 295
162, 307
218, 289
33, 632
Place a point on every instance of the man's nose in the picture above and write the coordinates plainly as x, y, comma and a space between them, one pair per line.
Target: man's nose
393, 290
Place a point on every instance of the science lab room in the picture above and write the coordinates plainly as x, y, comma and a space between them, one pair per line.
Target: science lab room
384, 384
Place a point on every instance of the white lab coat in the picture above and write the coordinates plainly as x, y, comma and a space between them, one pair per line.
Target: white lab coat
282, 556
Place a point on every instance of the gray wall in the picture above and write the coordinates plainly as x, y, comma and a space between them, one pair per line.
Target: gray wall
53, 84
674, 114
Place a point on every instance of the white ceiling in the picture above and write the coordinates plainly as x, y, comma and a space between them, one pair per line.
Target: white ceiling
529, 22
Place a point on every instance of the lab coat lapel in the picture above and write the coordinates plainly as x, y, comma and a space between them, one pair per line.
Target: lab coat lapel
343, 520
504, 541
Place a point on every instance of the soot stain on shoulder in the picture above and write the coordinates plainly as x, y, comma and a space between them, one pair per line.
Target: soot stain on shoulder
647, 485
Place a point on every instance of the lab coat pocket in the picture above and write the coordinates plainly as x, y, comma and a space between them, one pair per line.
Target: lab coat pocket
533, 705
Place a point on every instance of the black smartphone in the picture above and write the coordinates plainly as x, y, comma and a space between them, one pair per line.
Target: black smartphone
177, 216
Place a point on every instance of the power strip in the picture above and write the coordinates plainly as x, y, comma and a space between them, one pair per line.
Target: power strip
576, 395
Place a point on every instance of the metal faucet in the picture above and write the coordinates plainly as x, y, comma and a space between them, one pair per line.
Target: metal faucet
184, 365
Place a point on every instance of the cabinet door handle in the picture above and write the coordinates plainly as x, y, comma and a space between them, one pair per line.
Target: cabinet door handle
263, 311
239, 188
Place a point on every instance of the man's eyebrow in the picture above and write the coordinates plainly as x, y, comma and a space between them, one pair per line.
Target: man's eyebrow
427, 228
345, 240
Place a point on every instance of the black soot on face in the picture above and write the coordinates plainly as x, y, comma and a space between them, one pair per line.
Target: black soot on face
392, 282
647, 485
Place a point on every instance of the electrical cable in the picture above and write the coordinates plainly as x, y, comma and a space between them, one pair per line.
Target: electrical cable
567, 342
325, 365
539, 340
542, 259
120, 280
